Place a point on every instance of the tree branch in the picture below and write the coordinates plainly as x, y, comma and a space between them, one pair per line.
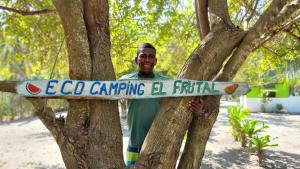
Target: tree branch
25, 13
46, 115
276, 14
8, 86
272, 34
68, 145
272, 51
292, 35
253, 10
199, 132
249, 7
296, 25
201, 7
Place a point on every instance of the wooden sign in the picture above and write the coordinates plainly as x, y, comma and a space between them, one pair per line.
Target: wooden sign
131, 89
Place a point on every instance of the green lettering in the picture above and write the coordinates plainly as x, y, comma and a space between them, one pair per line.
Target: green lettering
213, 88
154, 89
206, 88
184, 87
191, 87
198, 86
175, 87
161, 92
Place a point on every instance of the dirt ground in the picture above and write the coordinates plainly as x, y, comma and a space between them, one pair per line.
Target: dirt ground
26, 144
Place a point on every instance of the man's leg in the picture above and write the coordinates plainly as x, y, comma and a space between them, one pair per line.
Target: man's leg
132, 155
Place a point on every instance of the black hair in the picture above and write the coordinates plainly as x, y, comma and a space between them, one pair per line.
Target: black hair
142, 46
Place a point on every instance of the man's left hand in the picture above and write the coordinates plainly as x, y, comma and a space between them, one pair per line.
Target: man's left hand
196, 107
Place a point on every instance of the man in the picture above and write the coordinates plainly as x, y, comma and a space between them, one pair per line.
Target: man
141, 112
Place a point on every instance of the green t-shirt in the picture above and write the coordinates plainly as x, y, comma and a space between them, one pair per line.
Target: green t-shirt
141, 112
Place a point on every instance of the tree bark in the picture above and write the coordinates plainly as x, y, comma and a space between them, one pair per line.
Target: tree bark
8, 86
219, 16
198, 135
162, 144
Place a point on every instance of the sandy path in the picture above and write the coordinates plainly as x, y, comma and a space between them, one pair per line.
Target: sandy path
27, 144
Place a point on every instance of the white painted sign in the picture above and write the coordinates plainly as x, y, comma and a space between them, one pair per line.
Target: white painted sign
131, 89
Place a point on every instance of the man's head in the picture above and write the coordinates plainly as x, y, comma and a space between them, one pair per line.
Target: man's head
146, 58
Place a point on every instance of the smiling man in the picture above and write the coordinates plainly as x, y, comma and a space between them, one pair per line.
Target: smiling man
141, 112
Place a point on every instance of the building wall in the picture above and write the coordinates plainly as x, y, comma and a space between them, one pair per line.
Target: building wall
291, 104
281, 90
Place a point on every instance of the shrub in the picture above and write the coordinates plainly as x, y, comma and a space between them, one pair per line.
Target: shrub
251, 129
260, 143
237, 118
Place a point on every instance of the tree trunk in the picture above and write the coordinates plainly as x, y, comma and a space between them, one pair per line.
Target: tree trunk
199, 130
86, 26
248, 44
73, 151
105, 135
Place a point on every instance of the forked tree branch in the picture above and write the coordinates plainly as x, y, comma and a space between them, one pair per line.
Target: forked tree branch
200, 130
25, 12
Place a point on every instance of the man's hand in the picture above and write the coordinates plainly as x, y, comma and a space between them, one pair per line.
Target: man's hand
196, 107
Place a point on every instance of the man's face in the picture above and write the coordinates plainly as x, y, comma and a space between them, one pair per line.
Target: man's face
146, 60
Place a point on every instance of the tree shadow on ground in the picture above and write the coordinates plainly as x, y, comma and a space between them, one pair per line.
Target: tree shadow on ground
228, 158
285, 120
56, 166
240, 158
219, 127
41, 136
212, 136
21, 122
27, 120
281, 159
222, 118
